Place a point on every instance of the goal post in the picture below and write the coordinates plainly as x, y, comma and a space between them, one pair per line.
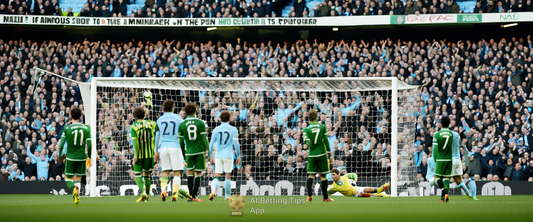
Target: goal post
352, 108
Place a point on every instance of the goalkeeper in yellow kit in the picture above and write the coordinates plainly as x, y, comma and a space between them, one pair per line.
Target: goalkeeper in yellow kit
342, 185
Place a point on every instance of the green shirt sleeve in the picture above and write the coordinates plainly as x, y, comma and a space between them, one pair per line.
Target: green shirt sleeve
156, 127
203, 135
89, 142
326, 141
307, 140
134, 140
435, 145
62, 143
181, 128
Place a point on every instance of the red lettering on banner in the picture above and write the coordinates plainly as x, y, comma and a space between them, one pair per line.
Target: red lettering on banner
429, 18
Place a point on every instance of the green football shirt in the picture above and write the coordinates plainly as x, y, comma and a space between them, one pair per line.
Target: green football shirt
142, 134
442, 145
76, 136
316, 138
192, 132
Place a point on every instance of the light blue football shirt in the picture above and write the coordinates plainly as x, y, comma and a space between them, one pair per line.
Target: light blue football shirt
167, 136
225, 137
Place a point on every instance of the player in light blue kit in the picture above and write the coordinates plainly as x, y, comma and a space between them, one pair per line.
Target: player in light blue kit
168, 148
226, 137
457, 170
430, 175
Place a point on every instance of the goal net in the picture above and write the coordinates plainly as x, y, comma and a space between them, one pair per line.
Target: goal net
371, 125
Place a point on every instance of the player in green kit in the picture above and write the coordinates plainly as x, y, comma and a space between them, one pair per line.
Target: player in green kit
316, 138
193, 136
76, 136
142, 135
442, 153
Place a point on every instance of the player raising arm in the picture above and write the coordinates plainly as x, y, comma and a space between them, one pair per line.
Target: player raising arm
226, 137
193, 136
168, 148
316, 138
142, 135
76, 136
342, 185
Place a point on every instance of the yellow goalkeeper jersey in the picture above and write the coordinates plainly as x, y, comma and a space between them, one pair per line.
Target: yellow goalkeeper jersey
344, 186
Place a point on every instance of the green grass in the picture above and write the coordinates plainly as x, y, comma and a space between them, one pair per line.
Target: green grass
125, 209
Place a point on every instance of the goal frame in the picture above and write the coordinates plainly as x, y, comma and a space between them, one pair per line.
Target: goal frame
394, 115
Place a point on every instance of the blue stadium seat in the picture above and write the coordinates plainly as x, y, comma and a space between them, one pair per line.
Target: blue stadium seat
77, 5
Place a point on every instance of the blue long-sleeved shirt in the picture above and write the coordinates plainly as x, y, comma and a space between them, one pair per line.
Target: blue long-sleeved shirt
38, 124
286, 112
42, 165
117, 72
14, 174
465, 126
353, 106
418, 157
243, 114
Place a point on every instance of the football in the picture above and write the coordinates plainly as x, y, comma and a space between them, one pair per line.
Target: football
148, 98
148, 95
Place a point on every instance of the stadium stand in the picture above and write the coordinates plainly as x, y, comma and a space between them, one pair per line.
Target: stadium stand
486, 86
256, 8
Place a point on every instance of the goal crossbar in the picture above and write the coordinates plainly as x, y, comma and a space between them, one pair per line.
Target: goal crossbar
257, 84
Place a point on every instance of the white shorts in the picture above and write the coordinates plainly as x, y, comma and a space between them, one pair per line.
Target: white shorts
359, 191
223, 165
172, 159
431, 181
457, 167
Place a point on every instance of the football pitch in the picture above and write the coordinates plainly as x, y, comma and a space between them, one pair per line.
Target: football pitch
266, 208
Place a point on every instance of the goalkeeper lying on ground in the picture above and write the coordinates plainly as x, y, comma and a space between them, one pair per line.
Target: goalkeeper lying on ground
342, 185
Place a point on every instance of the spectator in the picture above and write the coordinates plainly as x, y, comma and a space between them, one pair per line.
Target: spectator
529, 6
491, 7
69, 12
41, 162
122, 7
423, 168
517, 174
475, 166
528, 171
29, 168
3, 174
479, 8
105, 11
56, 168
508, 170
16, 174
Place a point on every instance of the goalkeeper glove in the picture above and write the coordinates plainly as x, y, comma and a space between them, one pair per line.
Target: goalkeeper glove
88, 163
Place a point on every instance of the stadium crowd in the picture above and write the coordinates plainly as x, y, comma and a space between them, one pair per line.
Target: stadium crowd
258, 8
485, 86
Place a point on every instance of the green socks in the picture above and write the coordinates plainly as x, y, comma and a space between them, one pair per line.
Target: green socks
446, 184
70, 184
139, 182
147, 183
